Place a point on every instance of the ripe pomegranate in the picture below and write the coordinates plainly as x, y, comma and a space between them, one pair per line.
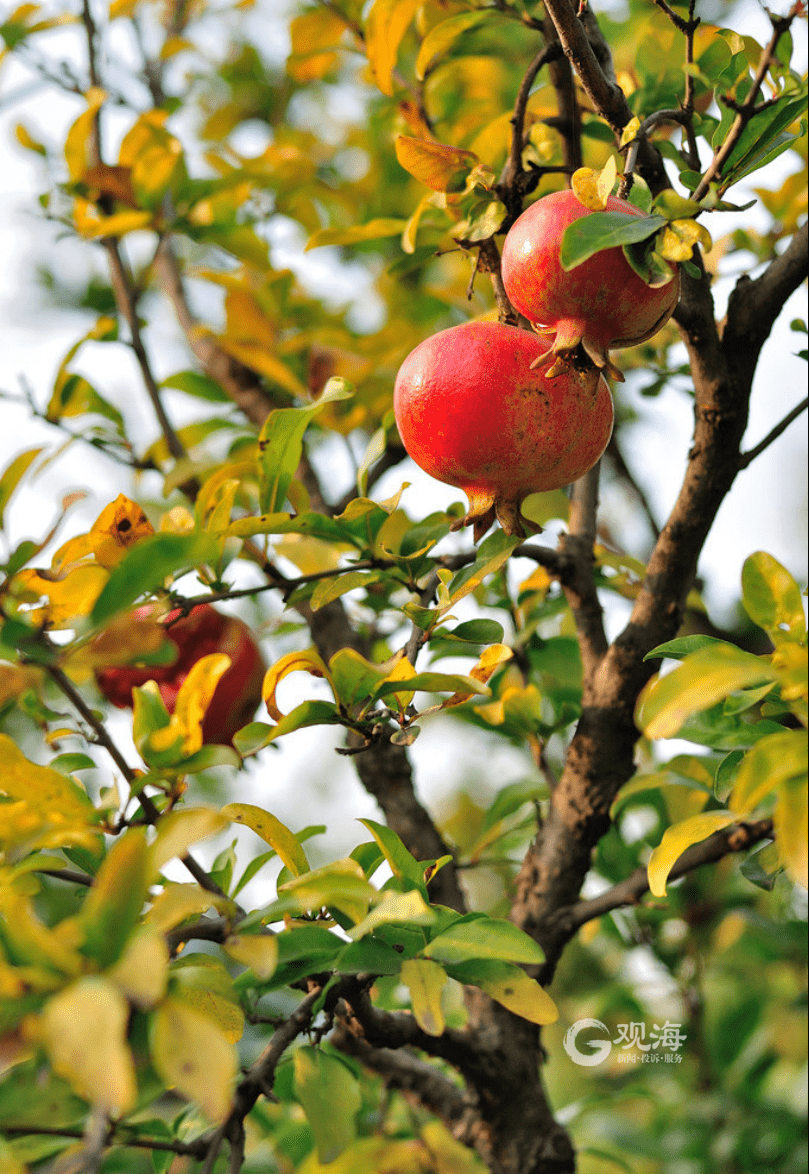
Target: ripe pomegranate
602, 303
202, 632
472, 411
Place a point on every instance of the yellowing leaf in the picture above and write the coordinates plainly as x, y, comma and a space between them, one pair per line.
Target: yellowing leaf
438, 165
308, 662
675, 841
177, 902
221, 1010
84, 1031
195, 695
314, 35
513, 988
702, 679
341, 885
425, 980
593, 188
790, 822
272, 831
193, 1055
490, 660
33, 943
442, 35
676, 242
68, 598
772, 762
385, 26
178, 830
142, 970
116, 897
49, 789
630, 132
259, 952
450, 1156
117, 528
79, 140
373, 230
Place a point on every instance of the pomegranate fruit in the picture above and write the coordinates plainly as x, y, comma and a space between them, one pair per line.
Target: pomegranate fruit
602, 304
202, 632
473, 411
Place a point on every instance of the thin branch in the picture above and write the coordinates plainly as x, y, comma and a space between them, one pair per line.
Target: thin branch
748, 108
748, 457
102, 737
70, 875
191, 1149
513, 170
737, 838
578, 583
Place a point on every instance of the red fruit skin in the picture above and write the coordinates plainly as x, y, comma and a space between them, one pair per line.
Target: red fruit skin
601, 303
202, 632
472, 412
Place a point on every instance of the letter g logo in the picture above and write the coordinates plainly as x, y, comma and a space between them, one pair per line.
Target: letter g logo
601, 1048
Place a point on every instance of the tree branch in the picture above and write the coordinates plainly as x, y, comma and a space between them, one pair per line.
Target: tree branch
748, 457
737, 838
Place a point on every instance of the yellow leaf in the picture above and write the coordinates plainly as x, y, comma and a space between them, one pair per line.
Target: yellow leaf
315, 35
84, 1031
490, 660
450, 1156
259, 952
117, 528
521, 994
79, 139
178, 830
51, 790
790, 822
385, 26
31, 942
630, 132
221, 1010
373, 230
272, 831
177, 902
410, 907
142, 970
116, 897
92, 225
773, 761
70, 597
307, 662
702, 679
261, 359
675, 841
593, 188
341, 884
195, 695
438, 165
676, 242
425, 980
193, 1055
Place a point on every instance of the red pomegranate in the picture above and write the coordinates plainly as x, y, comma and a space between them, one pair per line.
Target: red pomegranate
472, 411
602, 303
202, 632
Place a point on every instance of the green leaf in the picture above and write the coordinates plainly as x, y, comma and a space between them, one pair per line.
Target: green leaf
196, 384
484, 937
481, 631
493, 552
330, 1096
373, 230
791, 829
432, 683
763, 139
604, 230
368, 956
330, 589
675, 841
442, 36
681, 647
280, 444
772, 598
702, 679
400, 860
147, 565
12, 476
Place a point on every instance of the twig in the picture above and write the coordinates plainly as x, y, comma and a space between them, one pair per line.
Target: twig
513, 169
66, 874
99, 729
747, 458
737, 838
191, 1149
748, 108
579, 584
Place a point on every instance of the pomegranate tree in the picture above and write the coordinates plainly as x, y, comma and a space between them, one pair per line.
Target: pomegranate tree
601, 304
202, 632
473, 411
